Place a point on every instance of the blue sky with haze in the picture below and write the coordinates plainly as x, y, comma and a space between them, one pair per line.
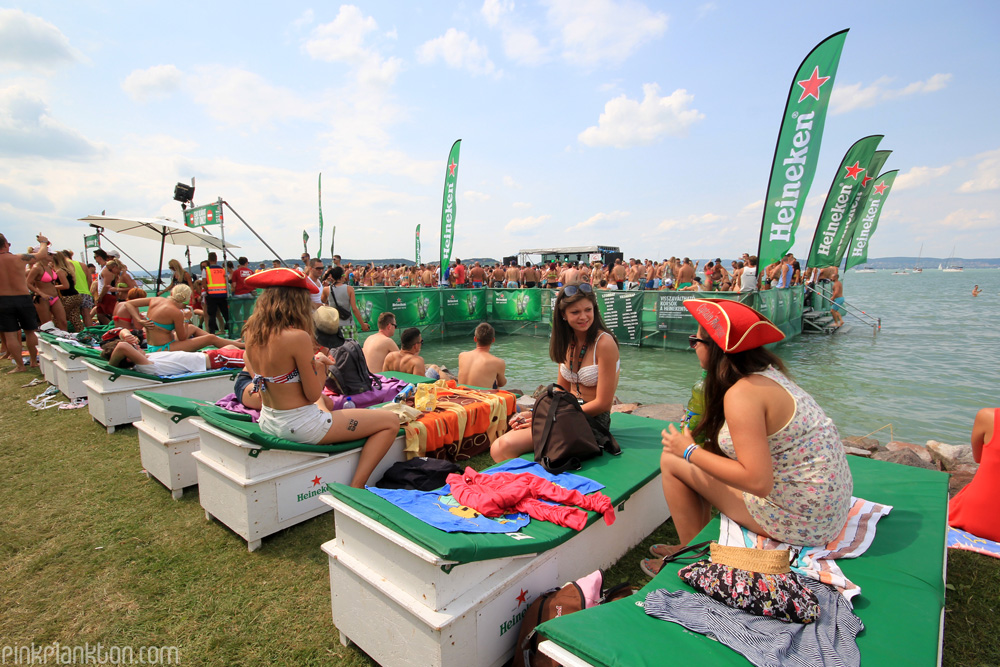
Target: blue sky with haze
645, 125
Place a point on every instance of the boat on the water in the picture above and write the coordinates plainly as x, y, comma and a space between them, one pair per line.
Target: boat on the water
865, 269
949, 267
916, 268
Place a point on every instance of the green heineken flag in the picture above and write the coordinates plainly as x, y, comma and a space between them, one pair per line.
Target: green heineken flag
858, 252
305, 240
92, 241
319, 250
844, 189
448, 208
858, 205
797, 150
418, 245
333, 237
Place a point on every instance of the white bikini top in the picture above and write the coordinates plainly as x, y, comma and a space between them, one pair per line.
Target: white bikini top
587, 375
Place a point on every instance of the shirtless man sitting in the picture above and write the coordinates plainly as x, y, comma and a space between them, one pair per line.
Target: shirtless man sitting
380, 344
407, 360
479, 368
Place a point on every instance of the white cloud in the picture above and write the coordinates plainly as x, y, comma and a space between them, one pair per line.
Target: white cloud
706, 9
626, 123
511, 183
493, 10
598, 31
970, 219
29, 42
856, 96
605, 220
458, 51
919, 176
528, 225
755, 209
343, 40
240, 98
521, 204
700, 221
155, 82
304, 20
472, 195
987, 175
28, 129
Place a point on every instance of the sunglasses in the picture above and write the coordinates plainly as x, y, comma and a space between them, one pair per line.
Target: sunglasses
694, 340
571, 290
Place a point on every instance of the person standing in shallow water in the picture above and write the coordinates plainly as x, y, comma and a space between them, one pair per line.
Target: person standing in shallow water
838, 301
975, 290
589, 365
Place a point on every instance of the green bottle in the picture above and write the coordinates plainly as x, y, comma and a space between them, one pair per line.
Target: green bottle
696, 406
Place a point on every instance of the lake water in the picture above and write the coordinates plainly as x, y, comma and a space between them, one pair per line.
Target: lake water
928, 371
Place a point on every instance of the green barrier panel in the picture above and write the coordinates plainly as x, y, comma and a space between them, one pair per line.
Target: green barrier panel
523, 304
463, 305
371, 303
622, 314
239, 312
415, 307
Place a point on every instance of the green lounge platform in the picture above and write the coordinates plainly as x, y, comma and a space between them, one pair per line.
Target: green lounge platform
901, 578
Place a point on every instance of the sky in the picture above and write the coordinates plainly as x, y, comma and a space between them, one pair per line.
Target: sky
650, 126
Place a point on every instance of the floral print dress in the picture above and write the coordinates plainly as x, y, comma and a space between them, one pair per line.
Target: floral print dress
812, 483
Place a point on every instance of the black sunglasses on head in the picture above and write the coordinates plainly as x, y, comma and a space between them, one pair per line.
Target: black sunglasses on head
571, 290
693, 341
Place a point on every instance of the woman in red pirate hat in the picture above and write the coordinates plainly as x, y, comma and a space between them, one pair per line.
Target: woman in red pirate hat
772, 460
290, 377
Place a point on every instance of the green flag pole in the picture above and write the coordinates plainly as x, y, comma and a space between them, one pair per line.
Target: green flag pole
319, 250
448, 208
796, 151
843, 190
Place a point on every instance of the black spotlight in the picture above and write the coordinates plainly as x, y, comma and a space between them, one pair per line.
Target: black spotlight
184, 193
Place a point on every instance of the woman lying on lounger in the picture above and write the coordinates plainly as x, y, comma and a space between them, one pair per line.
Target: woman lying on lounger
166, 327
126, 353
588, 360
772, 460
290, 377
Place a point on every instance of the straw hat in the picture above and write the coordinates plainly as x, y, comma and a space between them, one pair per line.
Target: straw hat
326, 320
282, 277
735, 327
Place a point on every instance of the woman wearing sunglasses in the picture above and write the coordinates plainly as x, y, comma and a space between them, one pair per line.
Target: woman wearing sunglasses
772, 460
587, 354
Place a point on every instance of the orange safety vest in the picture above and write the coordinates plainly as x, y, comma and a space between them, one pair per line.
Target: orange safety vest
216, 281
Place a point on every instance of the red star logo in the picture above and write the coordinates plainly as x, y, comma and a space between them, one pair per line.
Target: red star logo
854, 170
880, 188
864, 181
811, 86
522, 597
452, 167
316, 480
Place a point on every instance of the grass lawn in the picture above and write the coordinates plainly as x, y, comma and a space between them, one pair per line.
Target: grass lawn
93, 551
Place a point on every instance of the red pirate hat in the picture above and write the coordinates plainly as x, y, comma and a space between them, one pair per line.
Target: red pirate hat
735, 327
282, 277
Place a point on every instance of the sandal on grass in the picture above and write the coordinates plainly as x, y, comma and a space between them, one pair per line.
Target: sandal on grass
651, 566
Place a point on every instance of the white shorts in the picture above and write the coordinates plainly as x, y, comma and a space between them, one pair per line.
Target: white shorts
307, 425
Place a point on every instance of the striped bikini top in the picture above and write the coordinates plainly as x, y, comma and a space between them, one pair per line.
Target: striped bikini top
290, 377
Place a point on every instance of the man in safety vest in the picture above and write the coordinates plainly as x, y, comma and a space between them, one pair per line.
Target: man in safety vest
215, 288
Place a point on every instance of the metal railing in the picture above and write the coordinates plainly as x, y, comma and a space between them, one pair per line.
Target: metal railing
874, 322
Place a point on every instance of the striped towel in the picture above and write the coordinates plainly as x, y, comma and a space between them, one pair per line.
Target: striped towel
819, 562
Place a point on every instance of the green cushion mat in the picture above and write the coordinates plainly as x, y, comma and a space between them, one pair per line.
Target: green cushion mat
118, 372
406, 377
622, 476
77, 351
902, 591
248, 430
184, 407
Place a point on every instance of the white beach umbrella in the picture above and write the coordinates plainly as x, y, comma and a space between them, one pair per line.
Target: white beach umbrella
163, 230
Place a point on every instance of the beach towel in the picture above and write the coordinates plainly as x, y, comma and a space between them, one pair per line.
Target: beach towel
818, 562
232, 404
441, 510
960, 539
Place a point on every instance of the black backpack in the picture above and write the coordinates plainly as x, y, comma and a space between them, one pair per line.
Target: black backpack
564, 435
349, 376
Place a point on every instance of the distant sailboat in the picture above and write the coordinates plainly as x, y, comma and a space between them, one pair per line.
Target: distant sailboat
949, 267
865, 269
917, 269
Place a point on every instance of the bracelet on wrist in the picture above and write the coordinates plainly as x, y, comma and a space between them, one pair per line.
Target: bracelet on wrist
688, 451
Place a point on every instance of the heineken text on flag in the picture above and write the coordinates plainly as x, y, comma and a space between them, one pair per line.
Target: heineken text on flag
845, 188
858, 253
854, 214
417, 261
448, 208
797, 150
